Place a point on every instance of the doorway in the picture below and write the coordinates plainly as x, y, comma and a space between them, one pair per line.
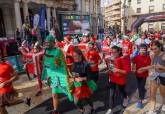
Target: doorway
2, 25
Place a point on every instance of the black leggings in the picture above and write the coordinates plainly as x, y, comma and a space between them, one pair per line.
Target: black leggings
116, 97
141, 87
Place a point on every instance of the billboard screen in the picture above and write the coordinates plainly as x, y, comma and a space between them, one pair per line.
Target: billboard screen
75, 24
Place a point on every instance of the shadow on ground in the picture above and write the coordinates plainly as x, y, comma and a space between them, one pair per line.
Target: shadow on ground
100, 99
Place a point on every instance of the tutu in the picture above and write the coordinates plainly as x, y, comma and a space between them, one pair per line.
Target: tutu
84, 89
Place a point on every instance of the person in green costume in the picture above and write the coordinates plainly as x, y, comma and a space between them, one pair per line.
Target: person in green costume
54, 68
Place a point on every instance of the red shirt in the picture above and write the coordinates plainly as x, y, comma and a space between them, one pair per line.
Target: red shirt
94, 40
141, 61
5, 74
93, 58
60, 44
127, 47
122, 63
83, 47
105, 43
157, 36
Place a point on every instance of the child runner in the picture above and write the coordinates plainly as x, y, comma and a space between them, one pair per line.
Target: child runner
83, 86
140, 63
94, 59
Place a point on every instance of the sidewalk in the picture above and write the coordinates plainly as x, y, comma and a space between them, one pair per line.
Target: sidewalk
27, 88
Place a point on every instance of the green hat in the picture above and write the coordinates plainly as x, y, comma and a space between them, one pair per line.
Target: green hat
92, 43
50, 38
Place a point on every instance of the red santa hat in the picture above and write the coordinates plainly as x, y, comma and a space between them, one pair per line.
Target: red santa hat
68, 38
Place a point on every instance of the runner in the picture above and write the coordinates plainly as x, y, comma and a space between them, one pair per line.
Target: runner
68, 51
126, 46
106, 51
83, 86
8, 96
158, 76
54, 67
94, 59
140, 63
118, 73
34, 64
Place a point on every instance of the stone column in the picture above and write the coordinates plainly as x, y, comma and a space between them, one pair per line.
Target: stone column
7, 14
83, 7
18, 14
48, 17
54, 13
79, 4
25, 9
91, 6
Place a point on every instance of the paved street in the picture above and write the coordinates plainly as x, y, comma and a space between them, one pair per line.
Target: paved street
43, 104
66, 107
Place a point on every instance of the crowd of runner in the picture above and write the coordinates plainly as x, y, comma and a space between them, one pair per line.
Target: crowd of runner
71, 67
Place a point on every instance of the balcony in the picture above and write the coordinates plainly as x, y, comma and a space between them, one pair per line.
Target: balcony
116, 18
115, 2
116, 13
116, 7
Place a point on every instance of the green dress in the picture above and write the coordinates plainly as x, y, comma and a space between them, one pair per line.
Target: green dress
54, 67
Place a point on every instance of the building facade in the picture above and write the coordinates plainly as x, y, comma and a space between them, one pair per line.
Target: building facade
112, 13
13, 13
136, 8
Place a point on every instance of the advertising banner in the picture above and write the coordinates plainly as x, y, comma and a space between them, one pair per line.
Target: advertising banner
75, 24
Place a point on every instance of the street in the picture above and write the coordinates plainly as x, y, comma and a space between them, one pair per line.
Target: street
43, 104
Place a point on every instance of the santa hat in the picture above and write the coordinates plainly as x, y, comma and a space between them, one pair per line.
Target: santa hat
68, 38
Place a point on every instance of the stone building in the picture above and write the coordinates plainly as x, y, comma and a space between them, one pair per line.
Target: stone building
13, 13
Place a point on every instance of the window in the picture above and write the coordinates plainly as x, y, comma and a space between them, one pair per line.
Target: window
151, 0
138, 1
151, 9
163, 26
138, 10
163, 6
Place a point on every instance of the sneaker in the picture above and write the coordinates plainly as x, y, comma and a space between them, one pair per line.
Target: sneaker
27, 101
109, 111
39, 93
139, 105
129, 101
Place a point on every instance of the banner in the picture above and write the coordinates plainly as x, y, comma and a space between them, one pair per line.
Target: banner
42, 18
36, 20
76, 24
